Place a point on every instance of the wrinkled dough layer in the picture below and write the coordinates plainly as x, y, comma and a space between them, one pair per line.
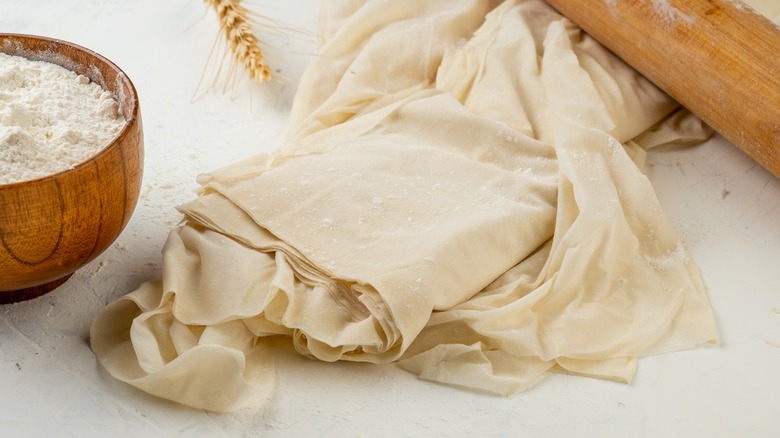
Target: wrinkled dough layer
460, 190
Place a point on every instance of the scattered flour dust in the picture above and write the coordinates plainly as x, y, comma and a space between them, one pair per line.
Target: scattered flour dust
670, 14
51, 119
675, 257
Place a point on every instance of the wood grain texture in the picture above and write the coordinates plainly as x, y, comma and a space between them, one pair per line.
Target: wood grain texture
718, 58
51, 226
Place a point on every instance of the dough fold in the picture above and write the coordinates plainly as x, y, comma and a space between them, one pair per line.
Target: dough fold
460, 191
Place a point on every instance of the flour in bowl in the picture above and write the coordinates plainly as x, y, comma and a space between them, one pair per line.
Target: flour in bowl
51, 119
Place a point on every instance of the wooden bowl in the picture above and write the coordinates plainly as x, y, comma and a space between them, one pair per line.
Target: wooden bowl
51, 226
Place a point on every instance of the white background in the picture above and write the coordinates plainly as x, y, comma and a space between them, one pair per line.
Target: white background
726, 207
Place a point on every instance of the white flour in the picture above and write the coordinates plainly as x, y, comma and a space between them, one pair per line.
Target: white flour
51, 119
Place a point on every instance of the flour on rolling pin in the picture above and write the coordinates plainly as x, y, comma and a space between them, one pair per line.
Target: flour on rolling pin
670, 14
51, 119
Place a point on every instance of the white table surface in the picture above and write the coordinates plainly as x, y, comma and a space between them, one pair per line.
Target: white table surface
725, 205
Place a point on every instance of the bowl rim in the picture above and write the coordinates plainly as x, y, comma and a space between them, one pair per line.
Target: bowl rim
134, 110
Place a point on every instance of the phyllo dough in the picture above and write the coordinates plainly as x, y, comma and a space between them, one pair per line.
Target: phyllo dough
460, 190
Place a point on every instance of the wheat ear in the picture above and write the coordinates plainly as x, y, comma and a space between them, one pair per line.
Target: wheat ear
234, 24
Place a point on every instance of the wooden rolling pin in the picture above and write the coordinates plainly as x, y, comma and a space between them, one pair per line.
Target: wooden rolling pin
718, 58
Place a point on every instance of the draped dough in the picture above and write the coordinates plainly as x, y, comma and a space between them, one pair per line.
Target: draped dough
460, 191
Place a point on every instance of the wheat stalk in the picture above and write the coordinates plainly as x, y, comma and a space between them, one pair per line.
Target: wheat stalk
234, 21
